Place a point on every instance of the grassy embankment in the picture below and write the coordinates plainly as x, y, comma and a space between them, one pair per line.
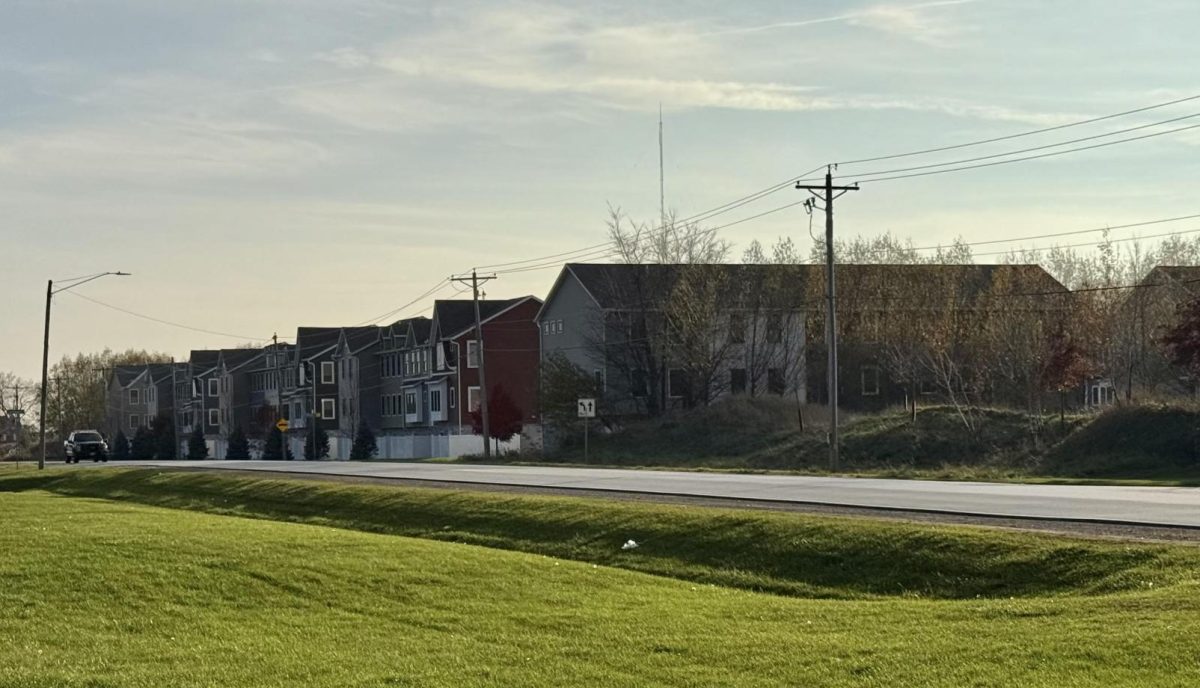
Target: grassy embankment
102, 589
1155, 444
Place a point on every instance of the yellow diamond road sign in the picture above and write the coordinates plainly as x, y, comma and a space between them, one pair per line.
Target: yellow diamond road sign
282, 425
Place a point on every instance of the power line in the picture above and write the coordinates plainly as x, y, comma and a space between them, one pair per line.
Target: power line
167, 322
1043, 130
439, 286
1028, 150
1026, 158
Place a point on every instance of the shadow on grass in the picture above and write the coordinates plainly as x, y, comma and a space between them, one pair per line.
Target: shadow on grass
786, 554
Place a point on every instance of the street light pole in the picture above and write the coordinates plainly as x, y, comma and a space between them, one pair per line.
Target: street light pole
50, 292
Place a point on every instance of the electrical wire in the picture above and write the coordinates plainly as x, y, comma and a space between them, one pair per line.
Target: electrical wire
1043, 130
167, 322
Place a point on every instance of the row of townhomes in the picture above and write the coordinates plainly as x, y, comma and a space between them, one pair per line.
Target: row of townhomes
413, 382
645, 340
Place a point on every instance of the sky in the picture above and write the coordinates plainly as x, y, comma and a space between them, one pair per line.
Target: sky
264, 164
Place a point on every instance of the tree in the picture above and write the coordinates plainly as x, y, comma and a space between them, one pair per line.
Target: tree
121, 447
504, 417
563, 385
164, 438
1066, 368
239, 446
143, 445
1182, 340
197, 447
276, 447
364, 447
78, 386
322, 449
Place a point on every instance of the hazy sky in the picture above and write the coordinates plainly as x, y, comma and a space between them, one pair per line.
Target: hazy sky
264, 164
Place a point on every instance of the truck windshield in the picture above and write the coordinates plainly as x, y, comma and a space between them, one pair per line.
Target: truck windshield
87, 437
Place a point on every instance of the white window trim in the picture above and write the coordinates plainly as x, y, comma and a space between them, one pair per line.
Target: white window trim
435, 395
472, 404
329, 409
214, 417
327, 373
213, 387
134, 397
150, 395
133, 422
471, 348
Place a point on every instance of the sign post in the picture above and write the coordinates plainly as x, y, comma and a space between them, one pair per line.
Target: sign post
282, 425
587, 409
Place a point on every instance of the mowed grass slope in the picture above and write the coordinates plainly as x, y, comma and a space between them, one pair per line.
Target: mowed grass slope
781, 553
100, 593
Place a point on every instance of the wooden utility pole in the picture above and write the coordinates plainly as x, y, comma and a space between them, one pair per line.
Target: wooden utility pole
483, 394
825, 193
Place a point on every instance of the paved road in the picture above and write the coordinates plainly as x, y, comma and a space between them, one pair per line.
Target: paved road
1161, 506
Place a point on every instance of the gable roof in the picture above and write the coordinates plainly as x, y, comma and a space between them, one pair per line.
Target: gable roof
232, 359
457, 317
313, 341
645, 286
1186, 276
203, 360
128, 374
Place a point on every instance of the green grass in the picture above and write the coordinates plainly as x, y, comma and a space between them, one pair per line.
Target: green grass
1145, 444
100, 593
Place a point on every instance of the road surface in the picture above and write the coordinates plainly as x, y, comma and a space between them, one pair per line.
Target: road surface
1153, 506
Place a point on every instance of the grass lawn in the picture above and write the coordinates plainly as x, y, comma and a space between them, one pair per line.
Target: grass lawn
110, 592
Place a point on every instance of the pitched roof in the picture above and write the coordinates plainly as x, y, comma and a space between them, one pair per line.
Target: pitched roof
359, 337
311, 341
128, 374
203, 360
619, 285
455, 316
1187, 276
233, 359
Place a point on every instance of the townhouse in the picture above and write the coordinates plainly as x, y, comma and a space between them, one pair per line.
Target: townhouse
137, 395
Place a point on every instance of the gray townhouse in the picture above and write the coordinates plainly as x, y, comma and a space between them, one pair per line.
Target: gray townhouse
137, 395
318, 394
233, 394
272, 381
356, 363
403, 348
661, 337
206, 393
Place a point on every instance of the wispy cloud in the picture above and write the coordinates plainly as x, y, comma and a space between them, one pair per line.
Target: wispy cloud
911, 21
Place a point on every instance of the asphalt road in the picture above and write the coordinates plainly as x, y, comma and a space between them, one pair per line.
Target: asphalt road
1155, 506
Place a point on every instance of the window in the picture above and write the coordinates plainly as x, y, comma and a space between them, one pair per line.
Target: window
737, 328
677, 383
151, 396
453, 397
410, 403
286, 411
296, 411
737, 380
329, 408
774, 328
776, 384
435, 401
559, 324
149, 421
472, 353
133, 422
133, 396
213, 389
638, 386
870, 381
546, 327
327, 372
927, 386
472, 398
214, 417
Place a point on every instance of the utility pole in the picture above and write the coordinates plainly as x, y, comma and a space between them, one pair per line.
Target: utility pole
825, 193
483, 400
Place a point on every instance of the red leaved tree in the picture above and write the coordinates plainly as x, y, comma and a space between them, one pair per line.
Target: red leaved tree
1066, 368
504, 417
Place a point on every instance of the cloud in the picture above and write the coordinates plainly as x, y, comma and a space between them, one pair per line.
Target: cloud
911, 21
346, 58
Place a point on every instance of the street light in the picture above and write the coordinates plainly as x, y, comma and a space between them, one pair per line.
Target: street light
50, 292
